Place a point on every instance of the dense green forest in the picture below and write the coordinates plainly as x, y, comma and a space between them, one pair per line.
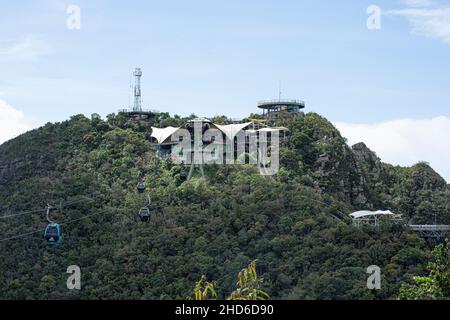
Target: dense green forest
295, 224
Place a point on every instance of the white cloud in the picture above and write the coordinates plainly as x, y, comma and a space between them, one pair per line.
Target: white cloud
27, 48
12, 122
426, 18
406, 142
418, 3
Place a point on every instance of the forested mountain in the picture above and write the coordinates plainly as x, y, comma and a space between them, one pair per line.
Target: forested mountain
295, 224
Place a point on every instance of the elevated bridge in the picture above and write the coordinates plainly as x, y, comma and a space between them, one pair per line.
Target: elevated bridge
431, 230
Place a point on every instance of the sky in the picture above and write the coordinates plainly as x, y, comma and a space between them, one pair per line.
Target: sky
380, 79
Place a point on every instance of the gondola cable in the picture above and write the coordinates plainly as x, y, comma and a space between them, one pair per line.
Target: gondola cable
43, 210
22, 213
42, 230
22, 235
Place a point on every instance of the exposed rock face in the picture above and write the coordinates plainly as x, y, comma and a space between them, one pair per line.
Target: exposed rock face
9, 169
367, 160
335, 164
20, 167
425, 178
315, 152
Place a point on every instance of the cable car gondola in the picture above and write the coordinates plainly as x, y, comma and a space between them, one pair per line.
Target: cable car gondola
141, 187
183, 174
52, 234
144, 214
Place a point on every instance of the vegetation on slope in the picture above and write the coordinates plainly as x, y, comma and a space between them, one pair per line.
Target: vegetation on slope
295, 224
435, 286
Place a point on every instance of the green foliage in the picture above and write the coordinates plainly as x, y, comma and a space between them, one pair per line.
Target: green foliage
204, 290
295, 224
249, 285
435, 286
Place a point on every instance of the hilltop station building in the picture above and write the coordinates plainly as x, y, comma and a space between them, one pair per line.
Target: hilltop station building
163, 138
276, 109
238, 135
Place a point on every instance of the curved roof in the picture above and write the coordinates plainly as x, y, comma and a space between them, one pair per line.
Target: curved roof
231, 130
366, 213
161, 135
270, 104
273, 129
281, 128
203, 119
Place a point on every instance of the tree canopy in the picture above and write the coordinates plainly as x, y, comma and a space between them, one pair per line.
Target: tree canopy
295, 224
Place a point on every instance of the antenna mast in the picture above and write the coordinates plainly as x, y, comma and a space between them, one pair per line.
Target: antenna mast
137, 90
279, 91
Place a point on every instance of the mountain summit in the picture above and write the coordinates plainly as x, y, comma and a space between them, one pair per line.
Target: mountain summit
296, 224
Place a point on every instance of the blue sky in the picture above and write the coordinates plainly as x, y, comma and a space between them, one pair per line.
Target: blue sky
220, 57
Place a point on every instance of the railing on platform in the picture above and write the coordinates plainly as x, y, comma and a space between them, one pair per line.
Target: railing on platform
430, 227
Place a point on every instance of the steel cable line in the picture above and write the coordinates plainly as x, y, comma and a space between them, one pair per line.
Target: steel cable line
63, 224
22, 213
321, 202
95, 213
45, 209
22, 235
324, 203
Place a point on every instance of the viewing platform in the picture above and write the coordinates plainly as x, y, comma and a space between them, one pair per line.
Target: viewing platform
143, 111
273, 109
275, 104
139, 115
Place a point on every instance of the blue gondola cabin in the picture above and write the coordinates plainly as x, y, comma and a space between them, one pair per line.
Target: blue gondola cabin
52, 234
